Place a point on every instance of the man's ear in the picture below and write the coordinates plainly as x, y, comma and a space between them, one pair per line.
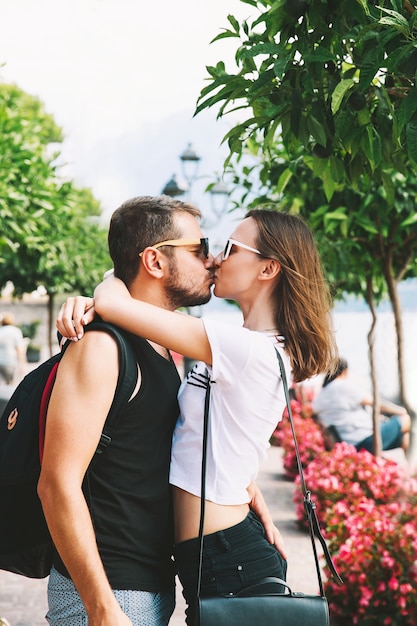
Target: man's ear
153, 262
270, 269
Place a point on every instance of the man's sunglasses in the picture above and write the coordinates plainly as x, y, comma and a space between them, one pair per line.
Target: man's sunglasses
203, 244
233, 242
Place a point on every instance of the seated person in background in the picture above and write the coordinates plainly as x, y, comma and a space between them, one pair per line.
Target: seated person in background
342, 404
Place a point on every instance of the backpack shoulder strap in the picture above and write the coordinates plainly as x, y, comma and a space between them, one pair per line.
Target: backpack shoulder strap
126, 382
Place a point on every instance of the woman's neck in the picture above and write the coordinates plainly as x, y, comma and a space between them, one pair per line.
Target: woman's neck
258, 312
259, 320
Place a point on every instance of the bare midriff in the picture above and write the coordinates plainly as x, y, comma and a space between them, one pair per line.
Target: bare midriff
217, 516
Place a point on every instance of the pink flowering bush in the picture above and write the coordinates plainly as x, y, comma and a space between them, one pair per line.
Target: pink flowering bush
347, 476
376, 558
367, 507
309, 435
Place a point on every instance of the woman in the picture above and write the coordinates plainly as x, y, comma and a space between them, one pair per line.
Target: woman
271, 267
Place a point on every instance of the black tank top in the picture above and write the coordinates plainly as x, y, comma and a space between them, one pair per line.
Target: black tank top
128, 487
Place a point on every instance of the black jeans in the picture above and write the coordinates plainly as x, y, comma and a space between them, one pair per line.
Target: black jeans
233, 559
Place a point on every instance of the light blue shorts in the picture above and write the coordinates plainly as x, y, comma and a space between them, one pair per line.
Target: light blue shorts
391, 436
143, 608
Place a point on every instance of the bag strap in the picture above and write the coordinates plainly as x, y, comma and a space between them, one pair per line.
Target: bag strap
126, 382
309, 505
203, 484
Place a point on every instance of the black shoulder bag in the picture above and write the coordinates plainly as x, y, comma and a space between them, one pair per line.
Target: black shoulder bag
261, 603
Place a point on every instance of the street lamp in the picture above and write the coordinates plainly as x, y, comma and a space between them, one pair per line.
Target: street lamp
173, 188
190, 161
219, 193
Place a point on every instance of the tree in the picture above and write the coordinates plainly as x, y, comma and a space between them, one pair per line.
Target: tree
333, 85
27, 177
48, 237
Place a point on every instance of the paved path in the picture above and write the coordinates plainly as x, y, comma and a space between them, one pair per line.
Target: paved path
23, 601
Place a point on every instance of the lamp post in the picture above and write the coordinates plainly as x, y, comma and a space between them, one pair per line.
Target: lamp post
190, 162
173, 188
219, 190
219, 194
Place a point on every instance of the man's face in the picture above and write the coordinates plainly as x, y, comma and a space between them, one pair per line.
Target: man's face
190, 273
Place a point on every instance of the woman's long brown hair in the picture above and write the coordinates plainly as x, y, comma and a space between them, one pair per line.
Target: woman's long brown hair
302, 296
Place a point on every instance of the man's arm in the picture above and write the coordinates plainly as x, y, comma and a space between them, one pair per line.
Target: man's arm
81, 398
385, 406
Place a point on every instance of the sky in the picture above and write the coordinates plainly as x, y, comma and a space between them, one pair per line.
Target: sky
121, 78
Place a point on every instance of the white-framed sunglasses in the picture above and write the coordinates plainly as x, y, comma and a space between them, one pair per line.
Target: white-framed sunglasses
233, 242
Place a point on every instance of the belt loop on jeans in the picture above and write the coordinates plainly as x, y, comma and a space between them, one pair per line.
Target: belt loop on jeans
223, 541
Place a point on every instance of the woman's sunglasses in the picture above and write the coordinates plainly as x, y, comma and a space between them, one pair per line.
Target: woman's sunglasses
233, 242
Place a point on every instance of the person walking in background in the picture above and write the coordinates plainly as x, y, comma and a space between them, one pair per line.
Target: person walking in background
344, 405
271, 267
12, 350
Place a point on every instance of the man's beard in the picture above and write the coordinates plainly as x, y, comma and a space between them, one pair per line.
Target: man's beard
180, 294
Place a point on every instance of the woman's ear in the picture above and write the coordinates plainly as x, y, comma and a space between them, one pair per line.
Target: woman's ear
270, 269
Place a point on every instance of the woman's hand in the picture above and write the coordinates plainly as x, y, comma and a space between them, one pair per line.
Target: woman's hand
73, 315
259, 506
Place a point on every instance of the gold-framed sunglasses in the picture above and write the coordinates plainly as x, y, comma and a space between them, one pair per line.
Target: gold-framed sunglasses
203, 244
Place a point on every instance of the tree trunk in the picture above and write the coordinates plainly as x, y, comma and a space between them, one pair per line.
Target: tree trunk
396, 309
377, 448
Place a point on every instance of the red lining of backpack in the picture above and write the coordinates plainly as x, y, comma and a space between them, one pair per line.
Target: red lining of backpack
43, 409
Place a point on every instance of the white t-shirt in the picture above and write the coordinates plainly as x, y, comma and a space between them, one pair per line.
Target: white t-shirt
339, 403
246, 403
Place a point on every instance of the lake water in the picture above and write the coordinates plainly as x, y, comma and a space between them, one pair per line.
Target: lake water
352, 323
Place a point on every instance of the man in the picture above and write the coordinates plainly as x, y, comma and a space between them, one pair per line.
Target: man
342, 404
123, 541
114, 532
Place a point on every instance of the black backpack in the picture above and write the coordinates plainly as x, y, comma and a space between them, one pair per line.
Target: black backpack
25, 543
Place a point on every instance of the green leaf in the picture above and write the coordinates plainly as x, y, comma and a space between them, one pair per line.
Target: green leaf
395, 19
280, 66
283, 180
371, 63
339, 93
337, 168
319, 165
401, 26
389, 188
364, 6
364, 116
320, 54
235, 24
367, 145
407, 108
270, 135
329, 184
411, 134
367, 225
316, 130
411, 219
261, 48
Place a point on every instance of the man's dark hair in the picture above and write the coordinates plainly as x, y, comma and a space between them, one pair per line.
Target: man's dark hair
342, 365
141, 222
